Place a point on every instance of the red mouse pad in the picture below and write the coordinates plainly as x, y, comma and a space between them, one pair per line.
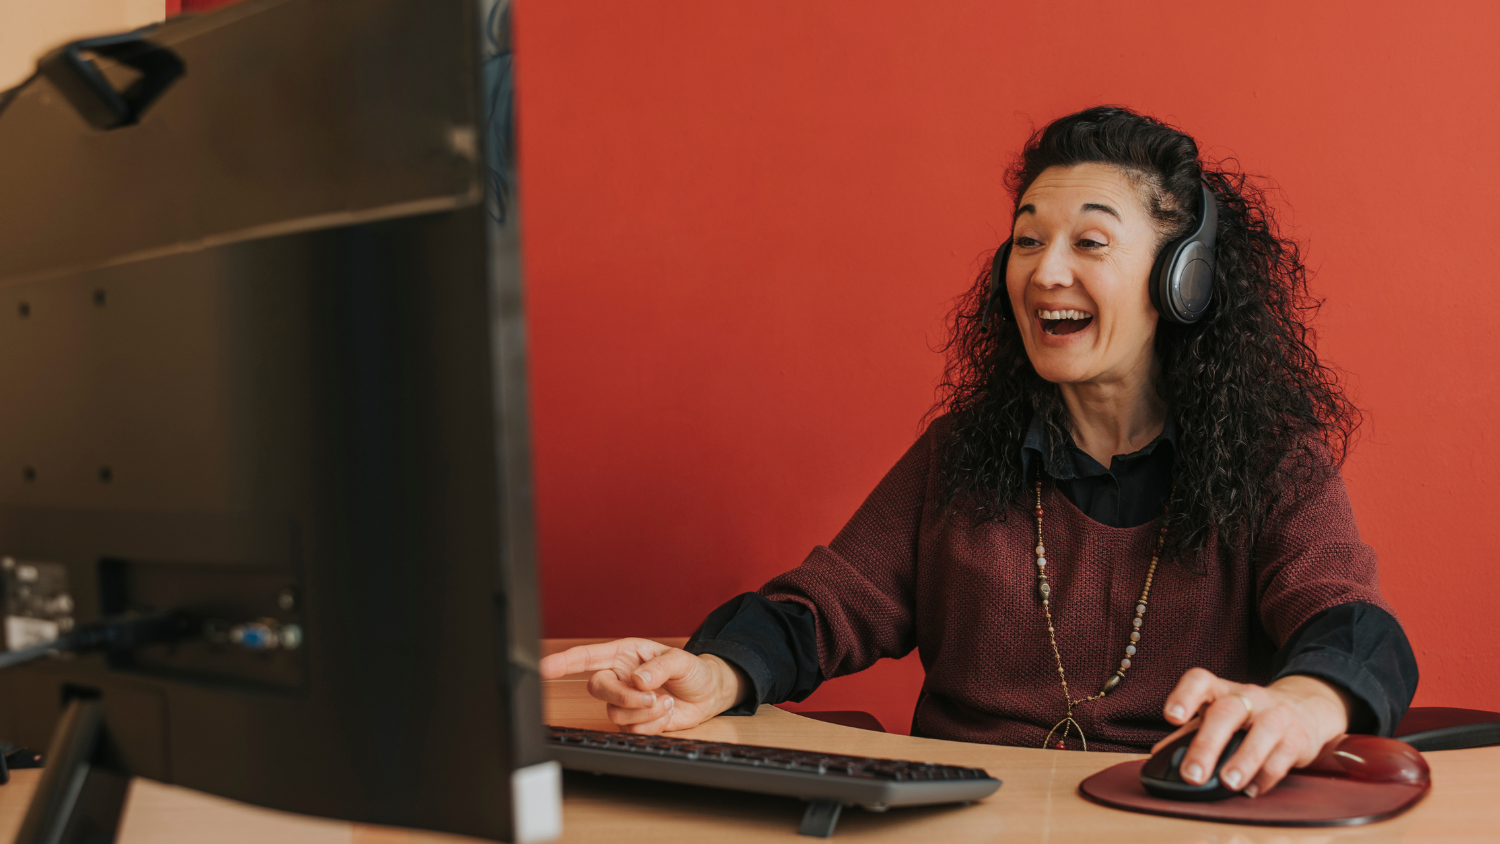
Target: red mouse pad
1330, 792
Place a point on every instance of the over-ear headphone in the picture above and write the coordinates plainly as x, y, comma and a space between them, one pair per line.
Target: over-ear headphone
1181, 283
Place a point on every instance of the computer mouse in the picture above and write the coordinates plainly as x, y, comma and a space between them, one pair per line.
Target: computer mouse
1357, 758
1162, 773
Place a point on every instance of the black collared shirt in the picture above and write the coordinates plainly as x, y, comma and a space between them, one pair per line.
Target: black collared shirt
1357, 647
1131, 491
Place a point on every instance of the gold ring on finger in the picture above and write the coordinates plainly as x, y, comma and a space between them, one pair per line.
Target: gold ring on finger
1249, 707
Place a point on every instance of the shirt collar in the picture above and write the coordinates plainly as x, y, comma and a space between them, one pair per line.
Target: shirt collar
1075, 462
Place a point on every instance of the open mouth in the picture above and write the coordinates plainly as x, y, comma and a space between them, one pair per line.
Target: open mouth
1064, 322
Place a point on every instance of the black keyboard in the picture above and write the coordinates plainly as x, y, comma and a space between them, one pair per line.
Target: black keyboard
828, 779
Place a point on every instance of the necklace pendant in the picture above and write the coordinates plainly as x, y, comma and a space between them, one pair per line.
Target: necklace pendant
1066, 725
1044, 589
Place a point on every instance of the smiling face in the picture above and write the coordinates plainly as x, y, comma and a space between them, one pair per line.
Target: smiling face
1081, 253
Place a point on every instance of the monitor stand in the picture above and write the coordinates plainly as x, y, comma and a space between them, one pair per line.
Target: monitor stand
82, 790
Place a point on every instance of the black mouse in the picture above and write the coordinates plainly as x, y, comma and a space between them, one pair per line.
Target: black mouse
1162, 773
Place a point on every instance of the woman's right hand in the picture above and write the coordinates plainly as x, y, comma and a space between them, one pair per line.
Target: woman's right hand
650, 688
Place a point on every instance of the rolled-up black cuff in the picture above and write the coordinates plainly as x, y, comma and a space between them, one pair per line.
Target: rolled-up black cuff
1361, 649
747, 661
774, 643
1369, 697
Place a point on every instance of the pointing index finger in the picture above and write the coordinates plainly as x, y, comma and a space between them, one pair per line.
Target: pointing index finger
579, 659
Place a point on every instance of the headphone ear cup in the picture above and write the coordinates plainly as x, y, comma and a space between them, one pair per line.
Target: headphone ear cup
1182, 281
997, 284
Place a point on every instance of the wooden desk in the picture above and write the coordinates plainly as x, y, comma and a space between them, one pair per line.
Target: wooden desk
1039, 801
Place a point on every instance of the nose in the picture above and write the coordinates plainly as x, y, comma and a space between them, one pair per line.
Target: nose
1052, 269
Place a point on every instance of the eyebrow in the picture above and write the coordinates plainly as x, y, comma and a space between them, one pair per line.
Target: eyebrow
1028, 208
1094, 206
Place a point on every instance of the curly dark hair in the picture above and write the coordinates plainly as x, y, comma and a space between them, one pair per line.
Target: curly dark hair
1257, 411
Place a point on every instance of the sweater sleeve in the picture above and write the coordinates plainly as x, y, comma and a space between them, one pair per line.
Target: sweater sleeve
860, 587
1308, 560
1309, 557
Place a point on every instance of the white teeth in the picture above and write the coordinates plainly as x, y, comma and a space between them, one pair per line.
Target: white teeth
1070, 314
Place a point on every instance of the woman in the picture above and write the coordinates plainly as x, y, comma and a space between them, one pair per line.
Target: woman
1118, 526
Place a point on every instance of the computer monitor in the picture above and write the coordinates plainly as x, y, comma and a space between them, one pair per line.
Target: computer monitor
262, 366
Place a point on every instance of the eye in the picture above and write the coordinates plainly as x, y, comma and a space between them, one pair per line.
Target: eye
1087, 243
1027, 242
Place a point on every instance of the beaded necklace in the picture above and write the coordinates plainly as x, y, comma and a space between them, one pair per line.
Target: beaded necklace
1067, 724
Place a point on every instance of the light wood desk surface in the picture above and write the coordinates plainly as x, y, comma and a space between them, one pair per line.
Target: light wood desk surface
1039, 801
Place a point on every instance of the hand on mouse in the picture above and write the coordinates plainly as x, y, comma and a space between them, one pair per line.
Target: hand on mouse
648, 687
1289, 721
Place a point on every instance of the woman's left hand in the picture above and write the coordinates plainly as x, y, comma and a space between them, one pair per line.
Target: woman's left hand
1289, 722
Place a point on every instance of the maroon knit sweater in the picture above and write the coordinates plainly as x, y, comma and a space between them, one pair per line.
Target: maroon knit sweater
902, 575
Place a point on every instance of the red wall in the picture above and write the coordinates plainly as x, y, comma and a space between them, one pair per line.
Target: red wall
745, 221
